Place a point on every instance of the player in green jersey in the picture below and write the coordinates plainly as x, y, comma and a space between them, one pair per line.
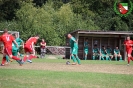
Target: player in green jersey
95, 52
103, 53
86, 48
117, 53
109, 53
74, 49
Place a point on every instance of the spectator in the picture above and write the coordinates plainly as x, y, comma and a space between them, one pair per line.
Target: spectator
43, 48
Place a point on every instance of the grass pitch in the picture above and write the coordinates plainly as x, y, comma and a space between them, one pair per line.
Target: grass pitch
54, 73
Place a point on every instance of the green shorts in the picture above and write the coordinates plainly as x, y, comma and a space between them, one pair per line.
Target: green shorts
86, 51
75, 51
15, 52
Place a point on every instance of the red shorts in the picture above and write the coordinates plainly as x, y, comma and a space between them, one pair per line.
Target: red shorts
8, 50
28, 48
129, 51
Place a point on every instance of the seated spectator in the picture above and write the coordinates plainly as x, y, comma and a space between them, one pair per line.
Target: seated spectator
109, 53
117, 53
103, 53
95, 52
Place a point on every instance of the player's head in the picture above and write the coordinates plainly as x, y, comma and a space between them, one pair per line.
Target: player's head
95, 46
5, 30
86, 39
103, 47
69, 36
43, 40
16, 35
37, 36
128, 37
116, 47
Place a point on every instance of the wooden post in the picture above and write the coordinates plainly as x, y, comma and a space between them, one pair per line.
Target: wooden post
125, 53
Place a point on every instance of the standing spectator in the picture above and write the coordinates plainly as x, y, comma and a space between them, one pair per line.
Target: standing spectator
43, 48
117, 53
74, 49
30, 49
128, 44
86, 48
7, 40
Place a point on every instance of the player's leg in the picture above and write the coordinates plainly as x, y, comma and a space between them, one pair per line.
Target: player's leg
94, 56
3, 59
102, 57
41, 55
76, 55
73, 56
120, 57
86, 53
129, 51
115, 55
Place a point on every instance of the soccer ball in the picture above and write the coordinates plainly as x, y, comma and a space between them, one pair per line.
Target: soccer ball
68, 63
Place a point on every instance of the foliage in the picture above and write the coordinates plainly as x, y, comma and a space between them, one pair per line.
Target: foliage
52, 19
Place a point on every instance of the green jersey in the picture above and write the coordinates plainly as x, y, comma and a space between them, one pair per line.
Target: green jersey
19, 41
109, 50
73, 44
103, 51
95, 50
86, 46
116, 51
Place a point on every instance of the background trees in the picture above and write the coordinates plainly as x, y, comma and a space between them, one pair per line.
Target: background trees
52, 19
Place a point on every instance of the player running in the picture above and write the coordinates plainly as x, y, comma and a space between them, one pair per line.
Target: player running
74, 49
15, 49
7, 40
29, 48
128, 44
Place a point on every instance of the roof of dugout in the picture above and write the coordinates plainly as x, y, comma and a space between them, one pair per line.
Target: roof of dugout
102, 32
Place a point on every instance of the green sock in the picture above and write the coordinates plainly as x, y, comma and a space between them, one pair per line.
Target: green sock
85, 57
7, 58
78, 60
93, 57
116, 58
120, 58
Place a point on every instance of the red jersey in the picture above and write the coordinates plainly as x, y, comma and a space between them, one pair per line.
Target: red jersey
7, 40
31, 40
128, 43
43, 43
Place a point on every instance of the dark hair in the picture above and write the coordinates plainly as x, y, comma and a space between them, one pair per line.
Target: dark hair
5, 30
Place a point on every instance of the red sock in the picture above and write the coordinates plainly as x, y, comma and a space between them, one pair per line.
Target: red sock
32, 56
25, 58
128, 60
15, 58
3, 60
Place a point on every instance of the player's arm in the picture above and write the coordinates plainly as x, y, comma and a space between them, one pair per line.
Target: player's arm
22, 42
73, 39
33, 47
15, 43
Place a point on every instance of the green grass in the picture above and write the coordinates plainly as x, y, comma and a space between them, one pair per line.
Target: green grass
20, 78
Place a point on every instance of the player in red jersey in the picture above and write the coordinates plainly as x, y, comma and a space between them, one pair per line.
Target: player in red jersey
7, 40
128, 44
29, 48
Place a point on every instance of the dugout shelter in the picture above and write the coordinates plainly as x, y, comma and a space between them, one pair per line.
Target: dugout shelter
101, 38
